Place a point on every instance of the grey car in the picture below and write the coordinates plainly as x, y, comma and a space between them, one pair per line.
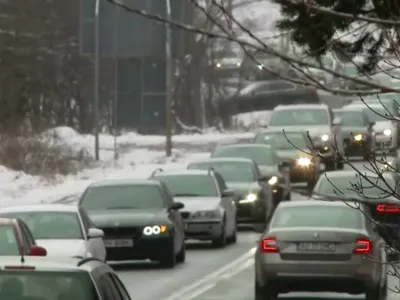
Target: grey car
209, 213
318, 246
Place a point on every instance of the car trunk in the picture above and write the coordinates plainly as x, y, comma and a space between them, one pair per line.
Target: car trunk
325, 244
388, 222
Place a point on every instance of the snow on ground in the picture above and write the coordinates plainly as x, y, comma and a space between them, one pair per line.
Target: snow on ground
20, 188
253, 119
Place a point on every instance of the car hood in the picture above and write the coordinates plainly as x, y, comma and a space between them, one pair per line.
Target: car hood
349, 131
382, 125
63, 247
241, 188
193, 204
312, 130
269, 170
290, 154
127, 217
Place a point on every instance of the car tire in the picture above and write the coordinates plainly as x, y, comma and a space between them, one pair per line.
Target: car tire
233, 237
377, 293
181, 256
221, 241
169, 259
264, 292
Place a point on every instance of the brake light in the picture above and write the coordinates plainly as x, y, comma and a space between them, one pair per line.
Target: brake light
388, 209
363, 247
19, 268
269, 245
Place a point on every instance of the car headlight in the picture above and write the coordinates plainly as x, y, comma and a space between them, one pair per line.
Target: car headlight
273, 180
155, 230
387, 132
324, 137
304, 161
260, 67
358, 137
218, 65
249, 198
206, 214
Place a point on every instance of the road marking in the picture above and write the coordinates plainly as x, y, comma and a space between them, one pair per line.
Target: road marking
234, 272
208, 279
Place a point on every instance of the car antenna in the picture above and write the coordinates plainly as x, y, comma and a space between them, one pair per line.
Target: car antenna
22, 254
156, 171
211, 170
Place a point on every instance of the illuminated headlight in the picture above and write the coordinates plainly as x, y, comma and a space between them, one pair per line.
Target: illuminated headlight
238, 64
155, 230
358, 137
218, 65
387, 132
250, 198
325, 137
304, 161
207, 214
260, 67
273, 180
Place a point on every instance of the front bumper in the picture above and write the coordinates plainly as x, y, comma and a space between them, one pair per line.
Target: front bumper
203, 230
302, 174
354, 148
250, 212
385, 142
326, 149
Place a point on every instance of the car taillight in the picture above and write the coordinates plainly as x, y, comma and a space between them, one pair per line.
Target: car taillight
269, 245
388, 209
363, 247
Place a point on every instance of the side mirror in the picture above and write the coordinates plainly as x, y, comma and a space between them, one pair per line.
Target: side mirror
337, 121
95, 233
38, 251
371, 124
177, 206
228, 193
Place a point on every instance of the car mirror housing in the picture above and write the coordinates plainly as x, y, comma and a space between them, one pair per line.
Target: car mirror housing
177, 206
95, 233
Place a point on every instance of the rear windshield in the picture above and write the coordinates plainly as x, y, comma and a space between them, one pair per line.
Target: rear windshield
283, 140
263, 156
351, 118
190, 185
38, 285
319, 216
8, 240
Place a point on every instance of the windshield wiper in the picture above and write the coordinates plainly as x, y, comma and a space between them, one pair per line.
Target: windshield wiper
123, 207
187, 195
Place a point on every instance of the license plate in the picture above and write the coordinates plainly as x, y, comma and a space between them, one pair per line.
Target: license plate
119, 243
198, 227
316, 247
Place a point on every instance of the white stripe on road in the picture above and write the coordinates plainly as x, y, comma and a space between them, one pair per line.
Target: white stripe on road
209, 280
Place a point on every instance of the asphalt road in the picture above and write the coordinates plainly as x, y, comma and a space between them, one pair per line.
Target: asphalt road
211, 274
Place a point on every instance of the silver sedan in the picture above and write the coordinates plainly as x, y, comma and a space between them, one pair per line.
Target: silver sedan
318, 246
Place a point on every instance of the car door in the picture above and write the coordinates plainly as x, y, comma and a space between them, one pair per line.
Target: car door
94, 245
228, 203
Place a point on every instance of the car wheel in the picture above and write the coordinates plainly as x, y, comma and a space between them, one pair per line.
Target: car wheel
181, 257
376, 293
220, 242
169, 257
264, 292
233, 238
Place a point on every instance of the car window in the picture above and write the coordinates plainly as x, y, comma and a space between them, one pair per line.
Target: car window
190, 185
28, 232
377, 113
47, 285
8, 240
351, 118
121, 288
27, 240
231, 171
299, 117
319, 216
262, 156
123, 196
282, 140
51, 224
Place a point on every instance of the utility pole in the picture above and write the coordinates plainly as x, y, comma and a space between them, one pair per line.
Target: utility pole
115, 98
96, 78
168, 81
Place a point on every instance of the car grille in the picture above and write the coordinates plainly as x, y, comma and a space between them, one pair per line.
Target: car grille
122, 231
185, 215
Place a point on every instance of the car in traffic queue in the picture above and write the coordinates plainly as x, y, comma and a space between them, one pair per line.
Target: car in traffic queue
210, 211
253, 195
378, 193
267, 160
62, 229
139, 218
61, 278
321, 126
386, 128
17, 239
293, 147
320, 246
358, 133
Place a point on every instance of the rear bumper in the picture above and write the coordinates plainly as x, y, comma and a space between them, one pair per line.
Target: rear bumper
353, 148
302, 174
203, 230
383, 141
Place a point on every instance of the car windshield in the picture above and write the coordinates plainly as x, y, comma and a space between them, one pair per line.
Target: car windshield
231, 171
299, 117
377, 113
355, 185
46, 285
318, 216
190, 185
128, 196
51, 224
262, 156
8, 240
350, 118
282, 140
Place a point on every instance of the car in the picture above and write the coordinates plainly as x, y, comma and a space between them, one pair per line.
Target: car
386, 129
320, 246
318, 121
268, 162
253, 196
357, 132
210, 210
377, 193
64, 230
61, 278
17, 239
139, 218
293, 148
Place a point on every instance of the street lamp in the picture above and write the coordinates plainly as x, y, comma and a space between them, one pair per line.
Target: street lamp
96, 78
168, 80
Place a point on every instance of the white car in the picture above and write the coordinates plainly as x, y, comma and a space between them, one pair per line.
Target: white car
63, 230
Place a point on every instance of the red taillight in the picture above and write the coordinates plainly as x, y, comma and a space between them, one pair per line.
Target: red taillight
363, 247
269, 245
388, 209
19, 268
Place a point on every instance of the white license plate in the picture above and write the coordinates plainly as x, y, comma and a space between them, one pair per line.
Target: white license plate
198, 227
118, 243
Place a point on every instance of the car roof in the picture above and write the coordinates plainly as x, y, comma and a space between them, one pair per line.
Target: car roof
301, 106
40, 207
185, 172
274, 130
300, 203
245, 146
124, 182
349, 109
362, 105
223, 159
44, 263
352, 173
